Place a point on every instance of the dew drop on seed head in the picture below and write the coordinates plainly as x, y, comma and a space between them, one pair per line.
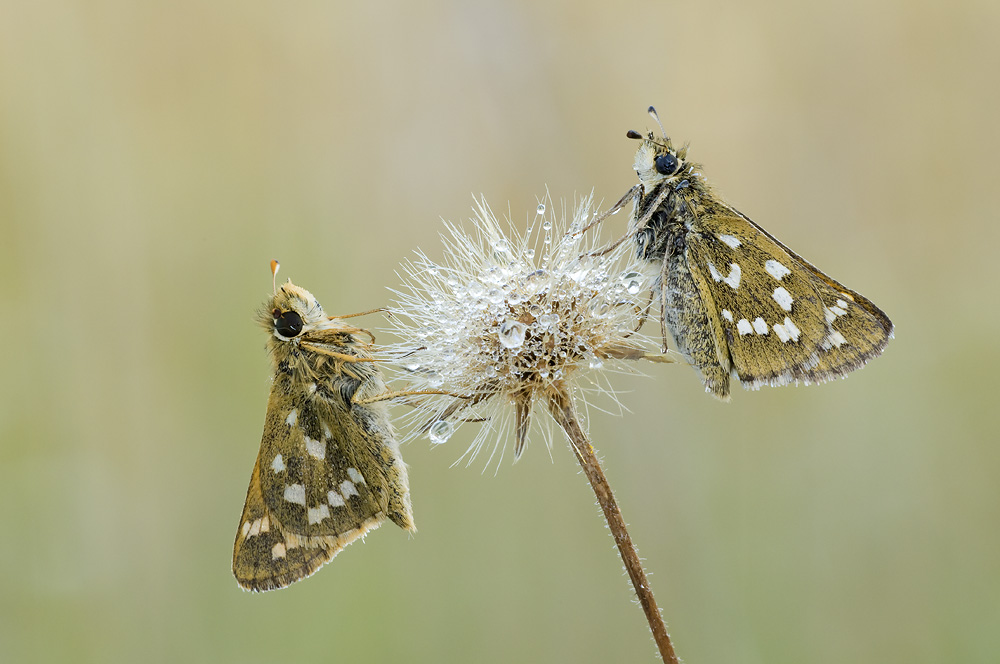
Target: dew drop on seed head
546, 225
511, 333
501, 246
596, 362
547, 320
440, 432
540, 209
632, 282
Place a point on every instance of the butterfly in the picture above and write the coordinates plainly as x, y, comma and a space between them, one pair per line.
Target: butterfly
329, 468
736, 302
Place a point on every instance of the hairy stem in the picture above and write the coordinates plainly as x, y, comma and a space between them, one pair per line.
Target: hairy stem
564, 413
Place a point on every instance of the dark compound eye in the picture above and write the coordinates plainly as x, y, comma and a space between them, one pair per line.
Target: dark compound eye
666, 164
288, 324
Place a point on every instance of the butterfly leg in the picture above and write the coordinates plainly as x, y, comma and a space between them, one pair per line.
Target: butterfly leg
631, 194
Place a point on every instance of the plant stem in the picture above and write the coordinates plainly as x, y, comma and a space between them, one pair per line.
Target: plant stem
561, 406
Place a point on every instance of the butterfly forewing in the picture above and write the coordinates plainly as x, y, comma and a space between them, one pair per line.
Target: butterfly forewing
769, 332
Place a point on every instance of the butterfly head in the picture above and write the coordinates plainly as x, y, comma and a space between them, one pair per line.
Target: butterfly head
657, 159
291, 312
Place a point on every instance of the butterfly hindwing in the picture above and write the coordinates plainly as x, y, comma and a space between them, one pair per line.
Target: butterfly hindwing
307, 488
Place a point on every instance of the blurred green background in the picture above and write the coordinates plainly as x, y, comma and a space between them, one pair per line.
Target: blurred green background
155, 155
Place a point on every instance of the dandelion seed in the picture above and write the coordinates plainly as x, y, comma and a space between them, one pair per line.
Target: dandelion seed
530, 317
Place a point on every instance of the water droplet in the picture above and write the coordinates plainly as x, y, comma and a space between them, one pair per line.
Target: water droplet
476, 289
596, 362
440, 432
501, 246
540, 209
546, 225
633, 282
530, 253
511, 333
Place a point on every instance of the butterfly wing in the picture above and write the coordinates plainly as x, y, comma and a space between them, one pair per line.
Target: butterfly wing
326, 474
783, 320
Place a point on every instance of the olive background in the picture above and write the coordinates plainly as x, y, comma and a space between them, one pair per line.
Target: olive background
154, 156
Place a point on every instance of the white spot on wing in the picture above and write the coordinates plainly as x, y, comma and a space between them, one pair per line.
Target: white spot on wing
842, 304
277, 551
295, 493
278, 465
254, 528
347, 489
293, 417
317, 514
356, 476
265, 524
246, 528
335, 499
833, 340
787, 331
733, 280
715, 273
730, 240
783, 298
728, 315
316, 448
776, 269
744, 327
793, 331
760, 325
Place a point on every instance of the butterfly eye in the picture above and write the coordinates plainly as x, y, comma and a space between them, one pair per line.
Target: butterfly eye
288, 324
666, 164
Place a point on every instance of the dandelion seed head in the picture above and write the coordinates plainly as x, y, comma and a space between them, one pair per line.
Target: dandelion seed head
508, 319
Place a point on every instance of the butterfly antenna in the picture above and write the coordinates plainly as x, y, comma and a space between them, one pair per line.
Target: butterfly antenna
653, 114
275, 265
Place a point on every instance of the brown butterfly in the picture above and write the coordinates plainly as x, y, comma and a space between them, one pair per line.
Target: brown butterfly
329, 468
736, 301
